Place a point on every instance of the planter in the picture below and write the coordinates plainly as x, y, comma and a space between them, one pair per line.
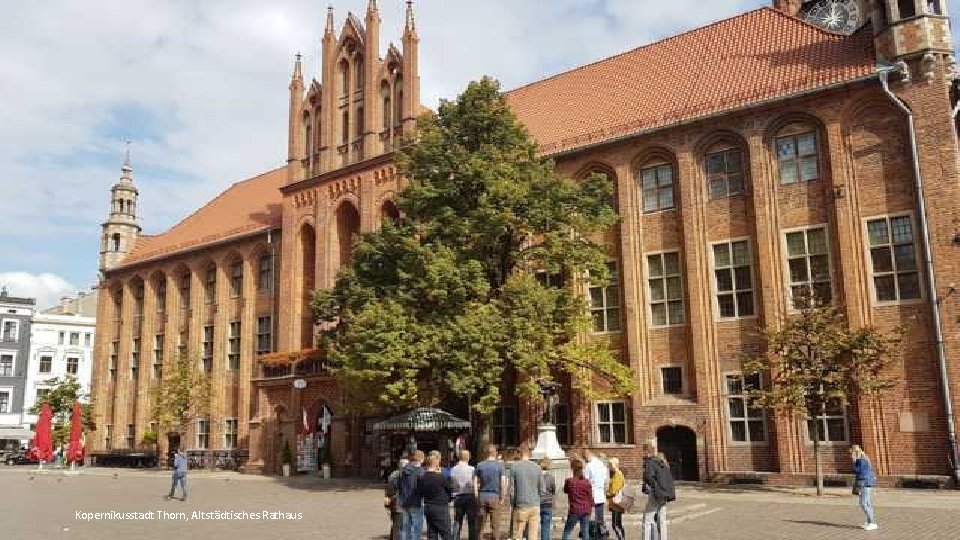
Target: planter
286, 469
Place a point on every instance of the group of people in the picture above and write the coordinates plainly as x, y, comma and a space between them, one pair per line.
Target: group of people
421, 491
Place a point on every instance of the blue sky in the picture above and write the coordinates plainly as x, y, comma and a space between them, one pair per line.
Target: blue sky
201, 89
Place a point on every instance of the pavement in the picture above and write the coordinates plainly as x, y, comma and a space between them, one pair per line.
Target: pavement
113, 504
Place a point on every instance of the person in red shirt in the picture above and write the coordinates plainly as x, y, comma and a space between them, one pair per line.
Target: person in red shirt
580, 494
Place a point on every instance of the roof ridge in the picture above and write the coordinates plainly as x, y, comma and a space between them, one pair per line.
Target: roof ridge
652, 44
219, 196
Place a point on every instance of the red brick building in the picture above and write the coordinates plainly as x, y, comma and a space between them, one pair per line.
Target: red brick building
756, 157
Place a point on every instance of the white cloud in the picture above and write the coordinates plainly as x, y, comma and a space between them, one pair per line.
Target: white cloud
45, 288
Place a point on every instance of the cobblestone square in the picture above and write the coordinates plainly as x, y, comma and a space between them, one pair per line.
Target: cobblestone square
51, 506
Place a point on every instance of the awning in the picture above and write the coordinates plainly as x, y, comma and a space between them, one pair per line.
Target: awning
289, 358
15, 433
422, 419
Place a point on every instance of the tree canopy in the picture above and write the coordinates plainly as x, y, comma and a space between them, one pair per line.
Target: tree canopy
61, 397
443, 301
181, 396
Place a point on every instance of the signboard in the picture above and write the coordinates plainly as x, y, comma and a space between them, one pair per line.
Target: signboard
306, 453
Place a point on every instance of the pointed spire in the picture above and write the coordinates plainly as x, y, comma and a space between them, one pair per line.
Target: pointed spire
329, 29
126, 154
298, 68
126, 169
411, 23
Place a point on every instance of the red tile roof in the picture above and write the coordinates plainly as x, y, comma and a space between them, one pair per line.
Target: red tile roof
244, 208
741, 61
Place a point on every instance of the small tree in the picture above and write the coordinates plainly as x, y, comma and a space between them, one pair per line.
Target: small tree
815, 359
182, 396
61, 397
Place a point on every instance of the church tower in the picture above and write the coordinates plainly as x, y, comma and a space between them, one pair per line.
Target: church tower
120, 231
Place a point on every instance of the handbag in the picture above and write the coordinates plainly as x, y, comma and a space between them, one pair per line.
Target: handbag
626, 499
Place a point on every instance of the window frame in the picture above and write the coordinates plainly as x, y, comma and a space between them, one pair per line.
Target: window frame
16, 331
789, 284
74, 342
210, 285
135, 359
715, 286
234, 329
8, 404
236, 279
113, 359
499, 426
66, 368
725, 148
40, 358
130, 437
684, 387
229, 444
663, 278
657, 165
823, 419
13, 363
615, 282
795, 131
627, 421
161, 293
269, 333
203, 436
921, 283
265, 260
206, 348
745, 420
159, 341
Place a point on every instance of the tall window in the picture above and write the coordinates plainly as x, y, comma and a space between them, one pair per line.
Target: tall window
158, 340
137, 301
387, 112
11, 330
657, 187
41, 395
87, 339
358, 122
5, 401
210, 285
797, 158
233, 347
733, 269
114, 357
264, 335
203, 434
605, 303
182, 341
550, 281
135, 359
747, 424
831, 426
265, 273
185, 291
230, 433
108, 437
612, 422
725, 173
934, 8
906, 8
6, 365
307, 136
893, 256
73, 365
46, 364
236, 279
61, 338
808, 262
208, 348
161, 295
345, 127
505, 432
75, 338
344, 78
671, 379
561, 415
115, 242
131, 436
666, 290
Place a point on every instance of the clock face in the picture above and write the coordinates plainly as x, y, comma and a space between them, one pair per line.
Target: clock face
839, 16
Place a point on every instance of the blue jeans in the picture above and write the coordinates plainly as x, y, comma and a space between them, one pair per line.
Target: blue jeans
598, 512
546, 522
572, 520
866, 503
181, 479
412, 523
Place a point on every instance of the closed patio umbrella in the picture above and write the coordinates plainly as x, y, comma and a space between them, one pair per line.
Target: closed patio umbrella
75, 454
43, 442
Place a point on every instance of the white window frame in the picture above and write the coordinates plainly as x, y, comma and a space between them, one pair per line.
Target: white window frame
627, 421
205, 422
40, 357
656, 165
108, 436
615, 282
70, 339
269, 333
205, 358
16, 330
227, 443
869, 259
684, 387
234, 337
66, 364
798, 158
36, 395
13, 362
113, 359
666, 301
88, 339
823, 419
130, 436
727, 396
135, 351
716, 289
786, 262
9, 391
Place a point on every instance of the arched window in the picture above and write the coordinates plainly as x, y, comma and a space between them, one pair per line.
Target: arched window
123, 206
265, 273
131, 207
359, 122
210, 284
161, 288
798, 155
724, 166
398, 101
307, 139
344, 78
115, 242
657, 186
345, 127
358, 70
387, 105
236, 279
389, 211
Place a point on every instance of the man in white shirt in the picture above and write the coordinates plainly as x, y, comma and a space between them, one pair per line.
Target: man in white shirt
599, 476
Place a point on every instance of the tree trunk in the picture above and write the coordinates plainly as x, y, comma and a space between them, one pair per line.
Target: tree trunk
819, 463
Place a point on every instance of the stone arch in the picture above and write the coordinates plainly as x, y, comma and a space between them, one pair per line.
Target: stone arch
183, 276
789, 131
650, 169
137, 286
875, 137
389, 210
344, 230
207, 271
599, 167
158, 283
233, 266
723, 160
255, 262
306, 280
679, 445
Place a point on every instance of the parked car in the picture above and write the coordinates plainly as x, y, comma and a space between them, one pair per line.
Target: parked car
22, 457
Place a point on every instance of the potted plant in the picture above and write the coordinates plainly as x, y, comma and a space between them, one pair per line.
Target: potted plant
286, 458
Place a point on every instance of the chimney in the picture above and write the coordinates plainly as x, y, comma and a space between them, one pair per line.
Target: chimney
790, 7
65, 304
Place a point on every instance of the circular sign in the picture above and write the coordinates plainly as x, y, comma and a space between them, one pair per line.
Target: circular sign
299, 384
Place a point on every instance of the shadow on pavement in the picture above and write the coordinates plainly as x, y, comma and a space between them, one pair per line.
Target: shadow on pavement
821, 523
329, 485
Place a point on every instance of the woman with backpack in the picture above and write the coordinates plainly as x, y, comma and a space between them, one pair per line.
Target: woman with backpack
863, 485
658, 485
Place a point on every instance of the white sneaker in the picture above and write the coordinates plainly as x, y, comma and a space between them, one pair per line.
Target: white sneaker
870, 526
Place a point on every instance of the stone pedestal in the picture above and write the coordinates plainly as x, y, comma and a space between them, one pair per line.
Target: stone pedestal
549, 447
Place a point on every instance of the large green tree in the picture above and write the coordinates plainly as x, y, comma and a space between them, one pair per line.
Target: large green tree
62, 395
815, 360
181, 396
443, 302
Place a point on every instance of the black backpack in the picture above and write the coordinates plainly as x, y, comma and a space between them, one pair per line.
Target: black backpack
663, 483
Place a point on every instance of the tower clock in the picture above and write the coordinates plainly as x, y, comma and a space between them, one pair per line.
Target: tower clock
837, 16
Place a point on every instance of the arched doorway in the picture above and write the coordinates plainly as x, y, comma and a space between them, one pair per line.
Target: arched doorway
679, 445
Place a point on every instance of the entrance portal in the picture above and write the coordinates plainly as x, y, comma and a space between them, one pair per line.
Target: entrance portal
679, 445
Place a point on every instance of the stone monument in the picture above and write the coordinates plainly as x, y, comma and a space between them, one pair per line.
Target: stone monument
547, 444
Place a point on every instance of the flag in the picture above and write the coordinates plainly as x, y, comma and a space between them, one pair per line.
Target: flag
325, 419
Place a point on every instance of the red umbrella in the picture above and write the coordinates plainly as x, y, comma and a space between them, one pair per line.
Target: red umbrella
43, 443
75, 454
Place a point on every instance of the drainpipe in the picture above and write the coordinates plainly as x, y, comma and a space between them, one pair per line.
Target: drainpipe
884, 74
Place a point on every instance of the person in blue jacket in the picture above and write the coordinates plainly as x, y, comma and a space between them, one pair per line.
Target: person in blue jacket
863, 485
